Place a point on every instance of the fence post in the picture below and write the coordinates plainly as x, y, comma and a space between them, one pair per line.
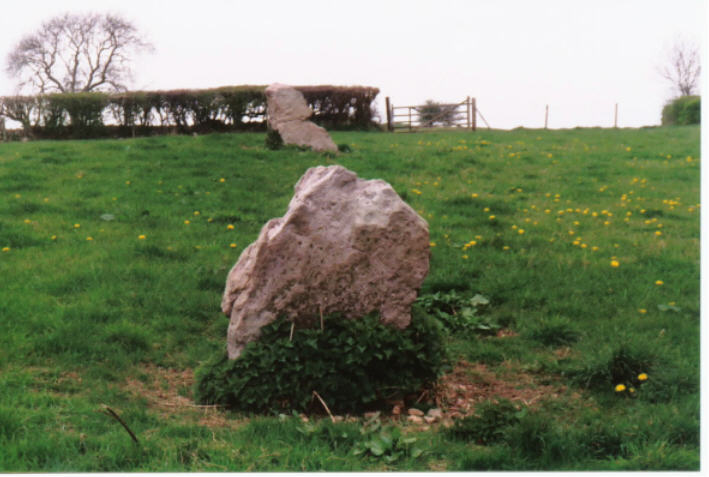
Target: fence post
615, 117
410, 119
388, 106
546, 116
467, 112
474, 113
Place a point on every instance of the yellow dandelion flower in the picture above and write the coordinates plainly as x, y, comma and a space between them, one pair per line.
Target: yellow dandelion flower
230, 227
432, 244
506, 247
520, 231
187, 222
6, 249
492, 217
658, 233
141, 237
595, 248
615, 263
474, 195
54, 237
620, 388
127, 182
465, 257
642, 311
196, 212
659, 283
628, 149
221, 179
76, 226
642, 377
232, 245
89, 239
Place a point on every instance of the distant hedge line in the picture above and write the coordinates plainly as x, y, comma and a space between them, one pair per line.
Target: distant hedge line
139, 113
682, 111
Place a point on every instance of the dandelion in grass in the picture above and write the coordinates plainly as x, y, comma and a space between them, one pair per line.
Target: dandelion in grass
615, 263
620, 388
659, 283
492, 217
89, 239
221, 179
642, 377
141, 237
520, 231
187, 222
432, 244
53, 237
416, 191
127, 182
230, 227
642, 311
6, 249
196, 212
232, 245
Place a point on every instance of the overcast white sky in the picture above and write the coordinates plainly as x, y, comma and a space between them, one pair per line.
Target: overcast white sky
514, 56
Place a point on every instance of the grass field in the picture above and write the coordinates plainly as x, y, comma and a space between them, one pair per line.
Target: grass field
585, 242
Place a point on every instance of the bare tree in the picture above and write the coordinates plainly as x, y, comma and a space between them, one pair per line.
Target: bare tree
77, 53
683, 67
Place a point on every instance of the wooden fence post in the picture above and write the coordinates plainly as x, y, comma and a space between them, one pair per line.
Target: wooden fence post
388, 106
474, 113
615, 117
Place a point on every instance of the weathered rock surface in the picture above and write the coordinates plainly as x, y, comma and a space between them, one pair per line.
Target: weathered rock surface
345, 245
288, 113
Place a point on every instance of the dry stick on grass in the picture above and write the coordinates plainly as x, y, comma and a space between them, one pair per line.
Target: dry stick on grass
315, 393
110, 412
292, 328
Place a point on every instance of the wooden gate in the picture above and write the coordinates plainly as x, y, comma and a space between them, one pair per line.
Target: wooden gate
432, 115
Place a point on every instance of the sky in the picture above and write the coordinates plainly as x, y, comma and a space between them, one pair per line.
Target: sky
514, 56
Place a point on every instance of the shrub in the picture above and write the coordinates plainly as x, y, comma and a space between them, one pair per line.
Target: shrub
682, 111
352, 364
274, 141
432, 113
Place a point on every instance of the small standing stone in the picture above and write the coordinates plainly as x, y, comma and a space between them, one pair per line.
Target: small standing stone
345, 245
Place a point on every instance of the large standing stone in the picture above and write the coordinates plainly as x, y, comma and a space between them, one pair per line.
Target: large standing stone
288, 113
345, 245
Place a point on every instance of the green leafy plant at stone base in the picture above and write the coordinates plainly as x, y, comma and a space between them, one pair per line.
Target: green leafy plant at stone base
351, 364
386, 442
274, 141
459, 313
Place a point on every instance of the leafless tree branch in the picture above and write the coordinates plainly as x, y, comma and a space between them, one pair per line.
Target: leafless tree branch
72, 53
683, 68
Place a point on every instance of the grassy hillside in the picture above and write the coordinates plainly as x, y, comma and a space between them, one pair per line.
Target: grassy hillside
585, 242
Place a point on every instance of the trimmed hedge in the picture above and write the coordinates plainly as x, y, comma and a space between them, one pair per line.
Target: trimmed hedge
682, 111
229, 108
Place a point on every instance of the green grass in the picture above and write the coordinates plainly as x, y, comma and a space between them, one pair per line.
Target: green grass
86, 322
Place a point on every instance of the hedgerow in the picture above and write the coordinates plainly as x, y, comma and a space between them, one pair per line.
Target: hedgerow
139, 113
